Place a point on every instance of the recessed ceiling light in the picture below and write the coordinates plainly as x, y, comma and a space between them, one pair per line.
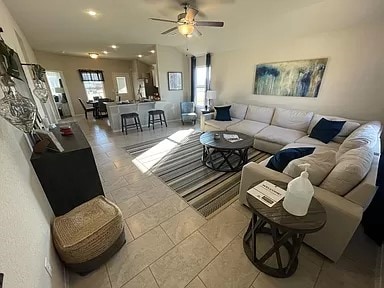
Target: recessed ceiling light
153, 51
92, 13
189, 35
139, 55
93, 55
105, 52
114, 46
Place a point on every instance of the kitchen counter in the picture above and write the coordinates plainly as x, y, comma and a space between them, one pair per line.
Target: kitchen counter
115, 110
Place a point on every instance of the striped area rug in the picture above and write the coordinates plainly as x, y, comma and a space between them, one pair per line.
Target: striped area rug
176, 160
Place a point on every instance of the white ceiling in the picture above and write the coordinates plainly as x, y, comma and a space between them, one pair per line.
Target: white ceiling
57, 26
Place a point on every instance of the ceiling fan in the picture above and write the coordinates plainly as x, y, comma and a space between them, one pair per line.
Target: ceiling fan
186, 23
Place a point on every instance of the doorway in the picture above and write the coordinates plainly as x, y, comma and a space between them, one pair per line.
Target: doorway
59, 94
123, 86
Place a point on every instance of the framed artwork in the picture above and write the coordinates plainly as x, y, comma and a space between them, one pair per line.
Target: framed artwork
300, 78
175, 81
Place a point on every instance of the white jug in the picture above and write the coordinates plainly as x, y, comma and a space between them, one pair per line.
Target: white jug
299, 194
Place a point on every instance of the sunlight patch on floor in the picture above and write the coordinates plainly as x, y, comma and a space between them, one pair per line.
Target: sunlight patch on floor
154, 155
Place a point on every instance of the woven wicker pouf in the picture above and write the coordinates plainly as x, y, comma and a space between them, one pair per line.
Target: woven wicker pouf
87, 236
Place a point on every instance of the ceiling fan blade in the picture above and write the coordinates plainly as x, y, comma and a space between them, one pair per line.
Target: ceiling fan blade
196, 32
163, 20
210, 23
191, 13
169, 31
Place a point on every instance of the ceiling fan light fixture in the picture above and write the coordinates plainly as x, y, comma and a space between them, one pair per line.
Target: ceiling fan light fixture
186, 29
93, 55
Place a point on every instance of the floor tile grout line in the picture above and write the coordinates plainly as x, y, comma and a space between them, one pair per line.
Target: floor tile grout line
318, 275
150, 263
109, 276
201, 279
150, 270
213, 259
160, 222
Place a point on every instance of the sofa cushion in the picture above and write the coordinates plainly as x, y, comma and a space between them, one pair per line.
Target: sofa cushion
222, 113
260, 114
350, 169
312, 141
321, 164
348, 127
247, 127
366, 135
279, 135
238, 110
281, 159
292, 119
325, 130
221, 125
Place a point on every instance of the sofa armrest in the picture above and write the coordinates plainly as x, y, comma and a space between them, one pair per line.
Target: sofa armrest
205, 117
253, 172
363, 193
343, 218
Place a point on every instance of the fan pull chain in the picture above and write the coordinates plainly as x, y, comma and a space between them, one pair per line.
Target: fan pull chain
186, 44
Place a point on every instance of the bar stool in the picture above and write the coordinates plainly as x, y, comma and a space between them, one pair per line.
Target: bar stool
152, 120
124, 122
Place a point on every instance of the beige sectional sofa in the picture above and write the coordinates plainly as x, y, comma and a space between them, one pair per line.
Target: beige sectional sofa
345, 192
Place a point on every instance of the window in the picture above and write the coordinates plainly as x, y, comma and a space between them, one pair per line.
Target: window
201, 73
94, 89
93, 81
121, 85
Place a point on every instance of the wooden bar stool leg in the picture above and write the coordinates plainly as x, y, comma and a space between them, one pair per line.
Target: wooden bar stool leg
122, 125
134, 119
161, 120
165, 121
138, 120
149, 120
153, 122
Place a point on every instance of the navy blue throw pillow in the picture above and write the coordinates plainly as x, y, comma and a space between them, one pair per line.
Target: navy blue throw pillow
222, 113
325, 130
282, 158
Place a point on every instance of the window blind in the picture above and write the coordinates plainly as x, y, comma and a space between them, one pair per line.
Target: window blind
91, 75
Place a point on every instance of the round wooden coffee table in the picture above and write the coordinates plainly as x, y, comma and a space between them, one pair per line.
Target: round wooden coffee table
222, 155
287, 231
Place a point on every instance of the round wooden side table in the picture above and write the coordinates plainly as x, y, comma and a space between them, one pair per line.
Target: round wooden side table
287, 231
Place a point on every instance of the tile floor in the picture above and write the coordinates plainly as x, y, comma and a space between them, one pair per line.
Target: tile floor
169, 244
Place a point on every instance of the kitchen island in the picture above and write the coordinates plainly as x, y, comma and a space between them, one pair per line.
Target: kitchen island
115, 110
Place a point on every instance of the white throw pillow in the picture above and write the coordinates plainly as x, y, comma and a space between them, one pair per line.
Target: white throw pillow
321, 164
350, 170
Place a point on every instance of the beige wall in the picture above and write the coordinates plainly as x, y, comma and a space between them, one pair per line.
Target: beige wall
169, 59
70, 65
352, 84
25, 238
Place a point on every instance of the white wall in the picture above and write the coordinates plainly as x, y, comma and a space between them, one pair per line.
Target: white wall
25, 213
170, 59
352, 84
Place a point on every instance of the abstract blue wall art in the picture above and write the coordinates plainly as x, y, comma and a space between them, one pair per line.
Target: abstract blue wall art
292, 78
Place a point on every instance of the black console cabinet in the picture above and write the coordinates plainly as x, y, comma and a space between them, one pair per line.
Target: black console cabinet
69, 178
